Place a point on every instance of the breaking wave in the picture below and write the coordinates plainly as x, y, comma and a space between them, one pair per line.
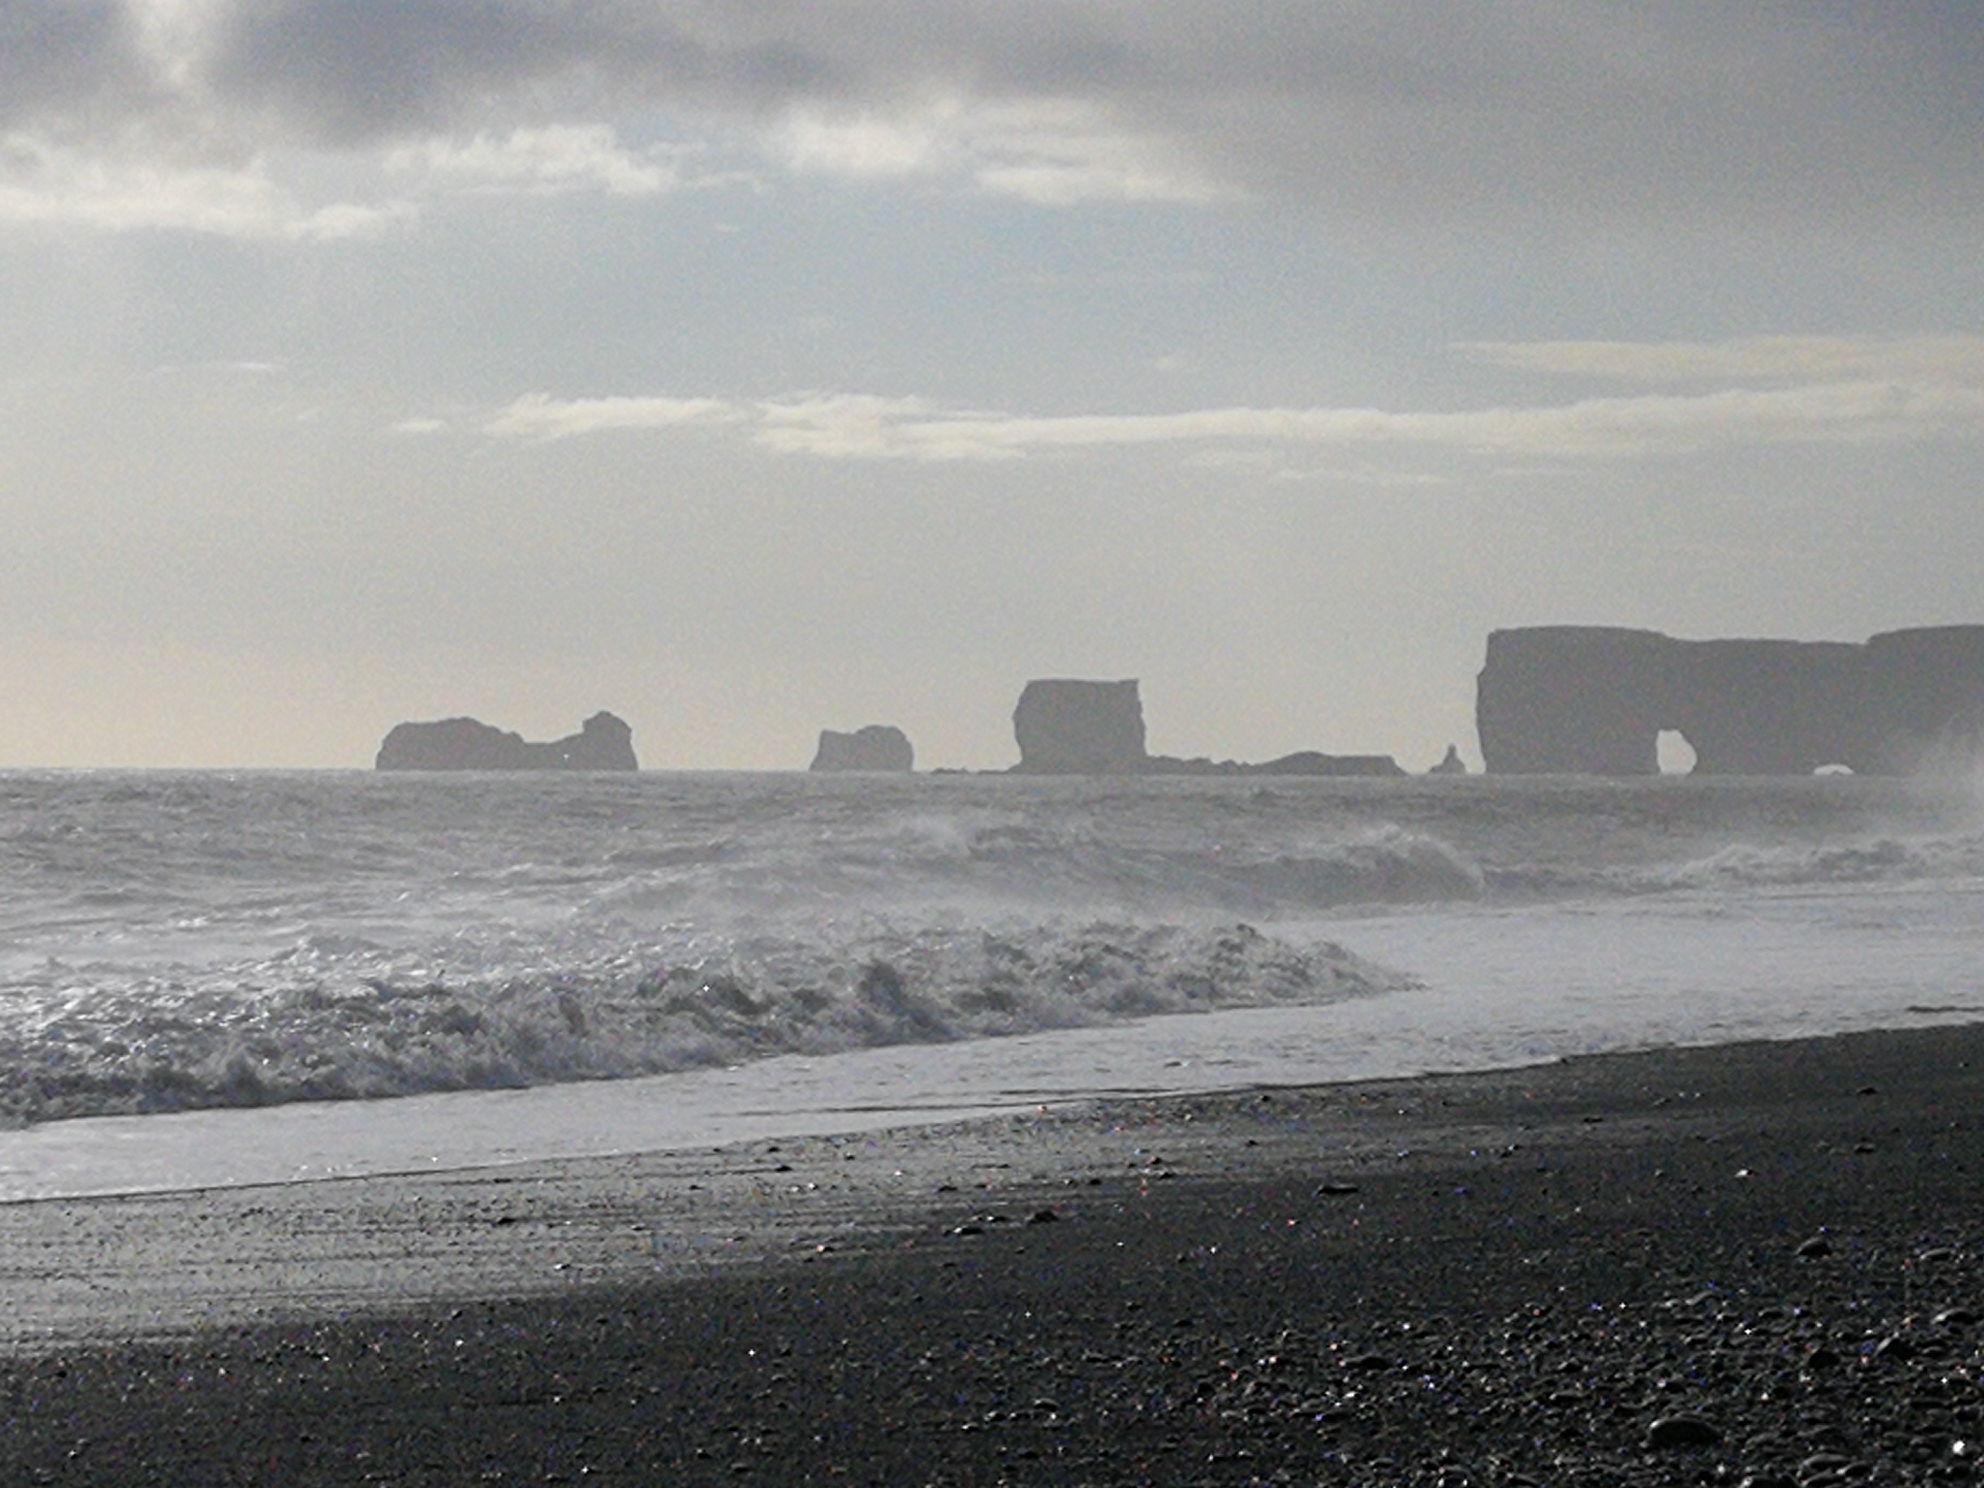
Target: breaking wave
1878, 860
965, 864
1387, 866
340, 1021
177, 940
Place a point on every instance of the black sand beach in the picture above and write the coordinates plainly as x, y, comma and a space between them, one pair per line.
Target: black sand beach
1757, 1263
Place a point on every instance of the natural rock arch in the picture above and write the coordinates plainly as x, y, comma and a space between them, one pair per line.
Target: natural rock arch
1594, 700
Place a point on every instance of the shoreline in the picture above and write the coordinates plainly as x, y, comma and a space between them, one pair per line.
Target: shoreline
1337, 1282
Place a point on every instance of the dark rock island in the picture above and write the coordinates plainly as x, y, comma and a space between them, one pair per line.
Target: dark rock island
1069, 727
1593, 700
877, 748
602, 743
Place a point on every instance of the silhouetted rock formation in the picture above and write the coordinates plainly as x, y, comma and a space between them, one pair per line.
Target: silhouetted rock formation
1097, 728
602, 743
1594, 700
1080, 728
1450, 763
877, 747
1313, 762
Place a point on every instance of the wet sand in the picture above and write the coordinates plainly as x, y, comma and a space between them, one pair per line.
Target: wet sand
1758, 1262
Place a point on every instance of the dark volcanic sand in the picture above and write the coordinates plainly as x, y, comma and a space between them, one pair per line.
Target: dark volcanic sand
1695, 1266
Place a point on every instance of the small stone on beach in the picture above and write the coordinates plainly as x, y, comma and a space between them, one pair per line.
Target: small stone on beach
1673, 1433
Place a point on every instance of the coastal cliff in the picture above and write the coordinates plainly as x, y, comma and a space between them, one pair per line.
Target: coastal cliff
1594, 700
603, 742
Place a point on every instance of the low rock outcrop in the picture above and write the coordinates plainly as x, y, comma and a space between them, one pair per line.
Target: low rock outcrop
877, 748
1594, 700
1314, 762
1067, 727
602, 743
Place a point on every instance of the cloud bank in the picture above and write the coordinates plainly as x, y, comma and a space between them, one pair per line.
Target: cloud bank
1535, 110
1853, 408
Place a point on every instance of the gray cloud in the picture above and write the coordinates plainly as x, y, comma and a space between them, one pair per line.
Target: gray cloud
63, 60
1711, 109
1952, 359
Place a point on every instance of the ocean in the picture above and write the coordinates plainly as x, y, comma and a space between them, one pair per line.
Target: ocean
238, 977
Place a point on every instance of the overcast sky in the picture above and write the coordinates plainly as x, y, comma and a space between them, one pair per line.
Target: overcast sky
749, 367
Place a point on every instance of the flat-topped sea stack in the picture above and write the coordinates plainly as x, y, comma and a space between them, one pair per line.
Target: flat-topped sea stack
877, 749
1067, 727
1070, 727
602, 743
1594, 700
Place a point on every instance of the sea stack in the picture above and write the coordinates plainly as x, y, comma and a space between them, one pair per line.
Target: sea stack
603, 742
878, 748
1067, 727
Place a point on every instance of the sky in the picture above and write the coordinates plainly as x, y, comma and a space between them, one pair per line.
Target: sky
753, 367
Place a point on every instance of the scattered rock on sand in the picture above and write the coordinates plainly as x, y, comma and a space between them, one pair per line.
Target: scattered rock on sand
1677, 1433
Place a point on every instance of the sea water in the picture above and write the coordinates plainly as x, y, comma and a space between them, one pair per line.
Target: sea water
245, 977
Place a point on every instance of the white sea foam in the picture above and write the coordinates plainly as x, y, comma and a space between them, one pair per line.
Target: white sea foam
336, 1019
1869, 861
176, 941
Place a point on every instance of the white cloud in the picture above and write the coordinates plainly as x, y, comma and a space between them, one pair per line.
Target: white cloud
418, 426
844, 425
865, 146
45, 183
855, 426
555, 158
539, 417
146, 182
1050, 151
1744, 359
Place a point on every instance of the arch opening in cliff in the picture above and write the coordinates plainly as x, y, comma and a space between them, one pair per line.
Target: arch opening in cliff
1595, 700
1673, 753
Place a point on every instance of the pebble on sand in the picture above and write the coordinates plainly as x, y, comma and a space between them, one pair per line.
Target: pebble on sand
1672, 1433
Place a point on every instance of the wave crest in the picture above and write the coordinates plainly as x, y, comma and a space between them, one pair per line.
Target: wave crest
253, 1040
